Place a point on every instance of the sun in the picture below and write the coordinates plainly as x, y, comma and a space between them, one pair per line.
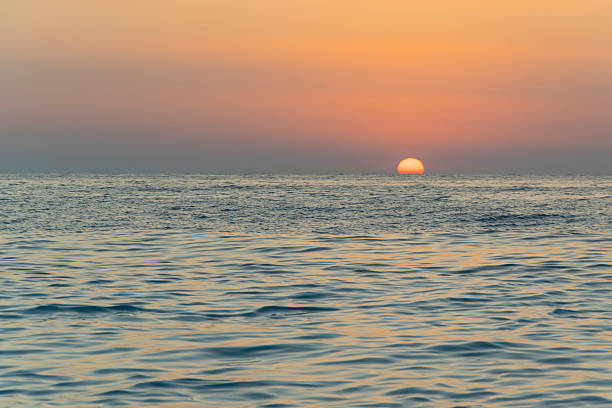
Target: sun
410, 166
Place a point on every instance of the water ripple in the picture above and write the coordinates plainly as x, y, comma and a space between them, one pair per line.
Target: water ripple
290, 291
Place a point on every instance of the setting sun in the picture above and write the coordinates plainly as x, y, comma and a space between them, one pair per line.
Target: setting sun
410, 166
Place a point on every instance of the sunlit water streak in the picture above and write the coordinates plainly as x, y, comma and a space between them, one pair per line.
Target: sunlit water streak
329, 291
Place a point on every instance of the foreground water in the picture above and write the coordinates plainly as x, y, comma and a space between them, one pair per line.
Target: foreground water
322, 291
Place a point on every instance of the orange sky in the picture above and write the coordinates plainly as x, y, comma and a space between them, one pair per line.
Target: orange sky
296, 85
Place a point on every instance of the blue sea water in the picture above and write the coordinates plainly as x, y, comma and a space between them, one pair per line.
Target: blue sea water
318, 291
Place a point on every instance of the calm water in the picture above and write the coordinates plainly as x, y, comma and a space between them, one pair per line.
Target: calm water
319, 291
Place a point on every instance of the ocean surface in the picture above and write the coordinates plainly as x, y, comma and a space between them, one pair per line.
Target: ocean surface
305, 291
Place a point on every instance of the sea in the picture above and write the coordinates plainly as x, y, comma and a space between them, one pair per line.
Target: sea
305, 290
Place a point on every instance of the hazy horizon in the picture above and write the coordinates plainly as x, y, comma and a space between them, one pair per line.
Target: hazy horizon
388, 173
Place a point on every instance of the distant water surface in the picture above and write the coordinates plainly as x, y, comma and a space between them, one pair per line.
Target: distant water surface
318, 291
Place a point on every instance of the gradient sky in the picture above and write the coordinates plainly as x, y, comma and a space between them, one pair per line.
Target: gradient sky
517, 86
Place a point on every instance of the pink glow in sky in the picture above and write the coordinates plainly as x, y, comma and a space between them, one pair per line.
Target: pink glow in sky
306, 86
